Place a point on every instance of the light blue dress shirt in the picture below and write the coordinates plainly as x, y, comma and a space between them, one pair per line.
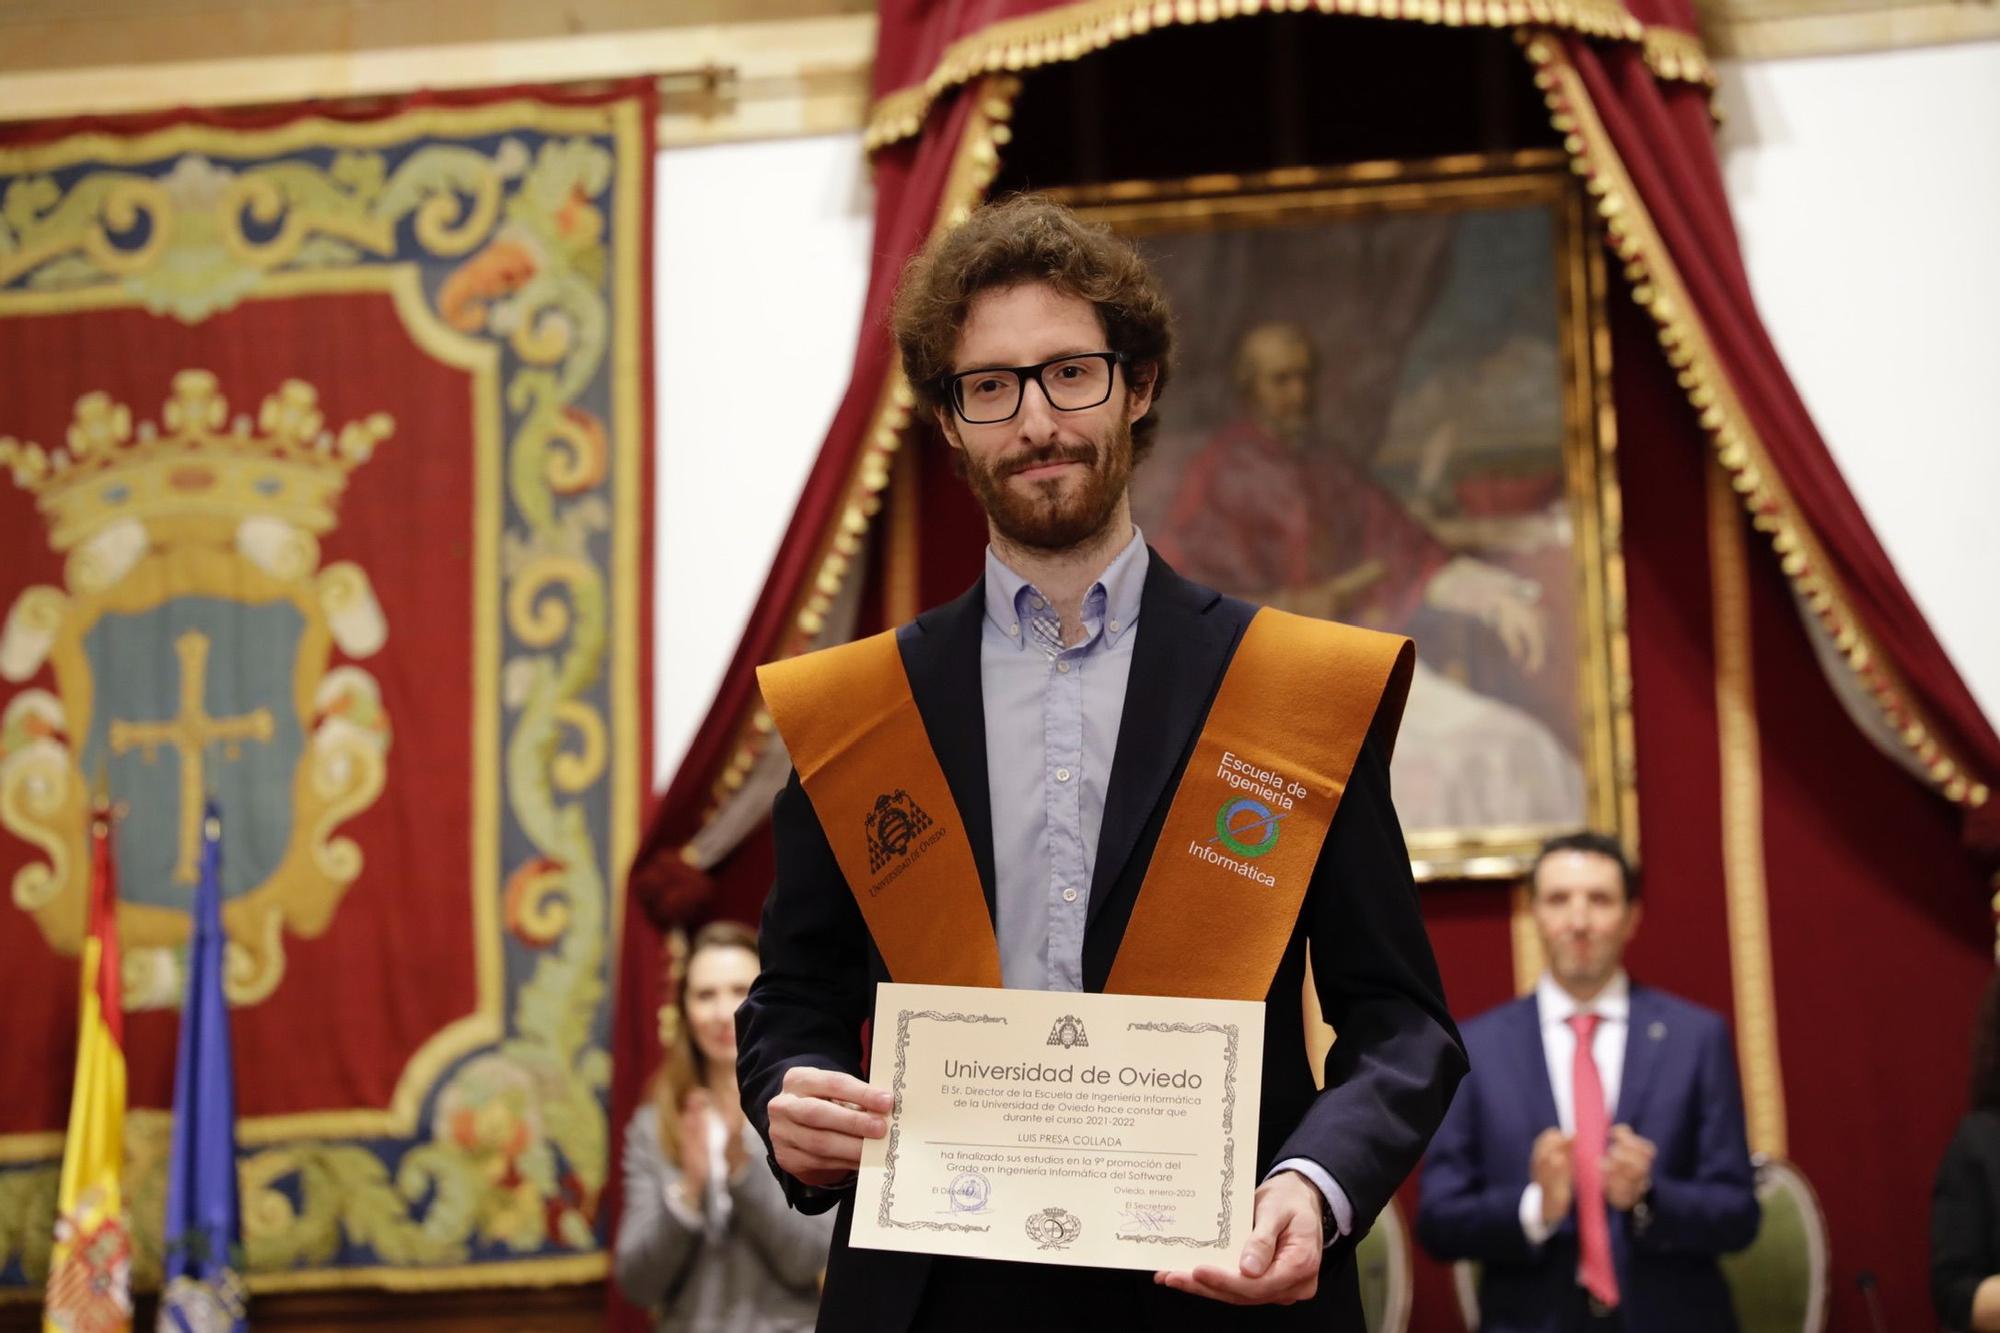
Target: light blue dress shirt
1052, 715
1051, 729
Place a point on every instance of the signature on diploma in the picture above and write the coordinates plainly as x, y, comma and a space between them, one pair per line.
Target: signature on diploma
1149, 1216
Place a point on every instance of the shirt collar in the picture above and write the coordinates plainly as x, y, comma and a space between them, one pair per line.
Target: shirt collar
1556, 1005
1115, 595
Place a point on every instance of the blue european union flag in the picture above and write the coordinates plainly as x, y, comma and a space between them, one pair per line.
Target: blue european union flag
204, 1281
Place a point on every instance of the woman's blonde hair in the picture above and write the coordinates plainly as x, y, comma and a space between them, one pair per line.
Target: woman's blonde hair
683, 1068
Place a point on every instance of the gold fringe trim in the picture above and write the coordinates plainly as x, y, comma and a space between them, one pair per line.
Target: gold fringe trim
1070, 32
1657, 285
1996, 916
972, 172
1745, 894
902, 558
1678, 57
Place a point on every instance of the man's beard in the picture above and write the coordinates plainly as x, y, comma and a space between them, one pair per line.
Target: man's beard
1053, 516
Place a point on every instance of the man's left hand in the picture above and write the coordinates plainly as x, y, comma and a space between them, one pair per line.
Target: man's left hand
1628, 1169
1280, 1261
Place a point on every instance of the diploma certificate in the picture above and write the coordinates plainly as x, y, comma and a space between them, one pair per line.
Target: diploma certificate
1118, 1131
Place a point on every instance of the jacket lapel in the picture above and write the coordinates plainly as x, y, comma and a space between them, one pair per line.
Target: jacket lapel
1177, 665
1534, 1056
941, 656
1641, 1055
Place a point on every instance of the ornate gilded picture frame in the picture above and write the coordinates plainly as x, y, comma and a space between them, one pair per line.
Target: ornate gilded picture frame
1391, 405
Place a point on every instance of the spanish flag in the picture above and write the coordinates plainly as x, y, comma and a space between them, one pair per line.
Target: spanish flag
90, 1269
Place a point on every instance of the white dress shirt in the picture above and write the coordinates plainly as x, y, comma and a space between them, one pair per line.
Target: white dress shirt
1052, 716
1555, 1006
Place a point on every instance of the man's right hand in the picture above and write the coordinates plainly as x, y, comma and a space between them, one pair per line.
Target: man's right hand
1549, 1166
819, 1120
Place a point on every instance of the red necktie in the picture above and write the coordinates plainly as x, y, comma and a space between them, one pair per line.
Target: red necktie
1593, 1224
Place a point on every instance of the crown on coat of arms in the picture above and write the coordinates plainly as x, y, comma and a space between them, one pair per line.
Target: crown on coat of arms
197, 474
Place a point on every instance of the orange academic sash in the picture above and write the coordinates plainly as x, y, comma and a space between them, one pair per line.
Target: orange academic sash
1230, 871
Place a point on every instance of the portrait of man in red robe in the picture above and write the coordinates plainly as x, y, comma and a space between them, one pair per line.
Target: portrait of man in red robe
1289, 503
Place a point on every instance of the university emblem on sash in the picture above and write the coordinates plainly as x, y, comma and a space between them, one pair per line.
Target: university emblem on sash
192, 648
893, 822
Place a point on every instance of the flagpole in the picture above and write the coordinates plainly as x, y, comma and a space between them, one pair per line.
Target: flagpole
204, 1288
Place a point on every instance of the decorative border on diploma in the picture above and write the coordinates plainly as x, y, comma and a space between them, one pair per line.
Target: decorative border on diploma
903, 1017
1230, 1037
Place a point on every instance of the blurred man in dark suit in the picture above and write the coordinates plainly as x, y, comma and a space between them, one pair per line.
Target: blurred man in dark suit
1594, 1161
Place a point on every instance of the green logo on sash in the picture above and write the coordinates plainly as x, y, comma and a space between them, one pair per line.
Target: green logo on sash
1246, 827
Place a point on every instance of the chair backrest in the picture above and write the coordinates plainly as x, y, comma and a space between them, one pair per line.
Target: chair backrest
1383, 1258
1465, 1286
1779, 1283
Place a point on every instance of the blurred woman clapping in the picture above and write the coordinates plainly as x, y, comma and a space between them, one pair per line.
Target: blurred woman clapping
706, 1239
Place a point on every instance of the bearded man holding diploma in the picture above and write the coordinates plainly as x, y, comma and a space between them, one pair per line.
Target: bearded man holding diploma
1000, 794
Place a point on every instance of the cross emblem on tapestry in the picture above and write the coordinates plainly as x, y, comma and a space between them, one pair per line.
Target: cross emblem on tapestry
191, 733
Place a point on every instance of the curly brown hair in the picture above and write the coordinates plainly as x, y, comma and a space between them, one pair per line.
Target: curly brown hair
1023, 239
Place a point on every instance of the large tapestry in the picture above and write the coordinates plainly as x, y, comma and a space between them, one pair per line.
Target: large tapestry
323, 495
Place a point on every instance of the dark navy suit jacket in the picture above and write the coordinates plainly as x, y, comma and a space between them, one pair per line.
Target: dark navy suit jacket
1388, 1078
1679, 1090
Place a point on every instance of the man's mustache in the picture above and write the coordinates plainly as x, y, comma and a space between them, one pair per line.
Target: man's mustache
1055, 453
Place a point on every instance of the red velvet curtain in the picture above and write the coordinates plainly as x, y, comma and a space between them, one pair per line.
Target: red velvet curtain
1662, 134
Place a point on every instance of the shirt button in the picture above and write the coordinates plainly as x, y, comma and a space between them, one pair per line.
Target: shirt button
1062, 775
1013, 630
1062, 668
1114, 627
1069, 895
1041, 605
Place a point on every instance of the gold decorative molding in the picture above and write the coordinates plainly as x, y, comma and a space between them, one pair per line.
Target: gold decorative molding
1740, 748
1658, 287
1772, 29
802, 67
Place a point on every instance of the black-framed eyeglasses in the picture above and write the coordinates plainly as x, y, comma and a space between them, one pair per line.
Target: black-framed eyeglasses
1070, 383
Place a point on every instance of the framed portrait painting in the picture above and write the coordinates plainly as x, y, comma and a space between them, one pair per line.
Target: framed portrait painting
1390, 405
